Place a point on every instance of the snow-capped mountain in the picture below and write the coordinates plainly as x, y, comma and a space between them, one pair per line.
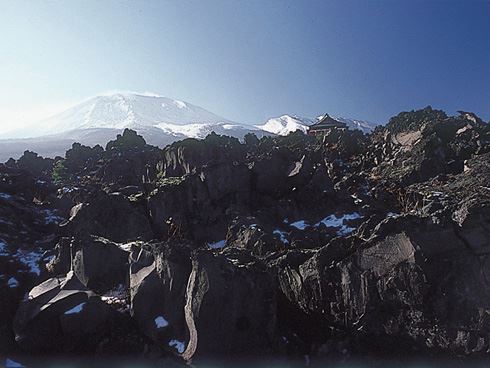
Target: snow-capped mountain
286, 124
136, 111
159, 119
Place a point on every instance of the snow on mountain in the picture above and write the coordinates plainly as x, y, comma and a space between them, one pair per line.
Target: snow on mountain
159, 119
286, 124
124, 110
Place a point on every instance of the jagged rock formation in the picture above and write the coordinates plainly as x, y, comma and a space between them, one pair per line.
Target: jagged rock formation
335, 248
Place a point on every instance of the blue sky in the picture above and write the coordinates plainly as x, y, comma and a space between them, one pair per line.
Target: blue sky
248, 60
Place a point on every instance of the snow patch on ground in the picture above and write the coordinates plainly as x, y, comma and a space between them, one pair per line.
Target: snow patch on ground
217, 245
282, 235
3, 248
329, 221
76, 309
161, 322
6, 196
50, 217
178, 345
30, 259
12, 282
301, 224
393, 214
339, 221
9, 363
66, 190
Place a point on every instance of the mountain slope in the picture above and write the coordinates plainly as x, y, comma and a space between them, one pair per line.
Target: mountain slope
123, 110
286, 124
97, 120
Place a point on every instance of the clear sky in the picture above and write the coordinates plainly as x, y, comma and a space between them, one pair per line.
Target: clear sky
248, 60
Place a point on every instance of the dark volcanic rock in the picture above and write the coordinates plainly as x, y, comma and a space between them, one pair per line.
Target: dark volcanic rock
248, 234
230, 307
339, 246
158, 279
61, 315
99, 264
111, 216
189, 155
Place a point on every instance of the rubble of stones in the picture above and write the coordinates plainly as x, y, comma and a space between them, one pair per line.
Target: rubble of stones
345, 247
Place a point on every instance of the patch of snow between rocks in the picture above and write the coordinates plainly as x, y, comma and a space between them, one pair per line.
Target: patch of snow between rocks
76, 309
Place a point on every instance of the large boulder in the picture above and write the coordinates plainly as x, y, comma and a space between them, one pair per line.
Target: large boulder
111, 216
99, 264
158, 279
409, 277
61, 315
181, 207
230, 307
247, 233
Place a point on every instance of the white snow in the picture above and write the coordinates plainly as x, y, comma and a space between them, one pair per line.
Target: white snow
122, 110
285, 124
6, 196
338, 221
161, 322
30, 259
180, 104
282, 235
65, 190
195, 130
9, 363
217, 245
12, 282
330, 221
179, 345
76, 309
301, 224
3, 248
50, 217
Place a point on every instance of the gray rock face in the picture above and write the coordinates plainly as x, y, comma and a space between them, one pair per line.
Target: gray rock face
157, 287
110, 216
99, 264
230, 307
60, 315
393, 286
247, 233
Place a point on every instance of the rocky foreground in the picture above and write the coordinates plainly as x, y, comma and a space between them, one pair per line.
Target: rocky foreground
286, 248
